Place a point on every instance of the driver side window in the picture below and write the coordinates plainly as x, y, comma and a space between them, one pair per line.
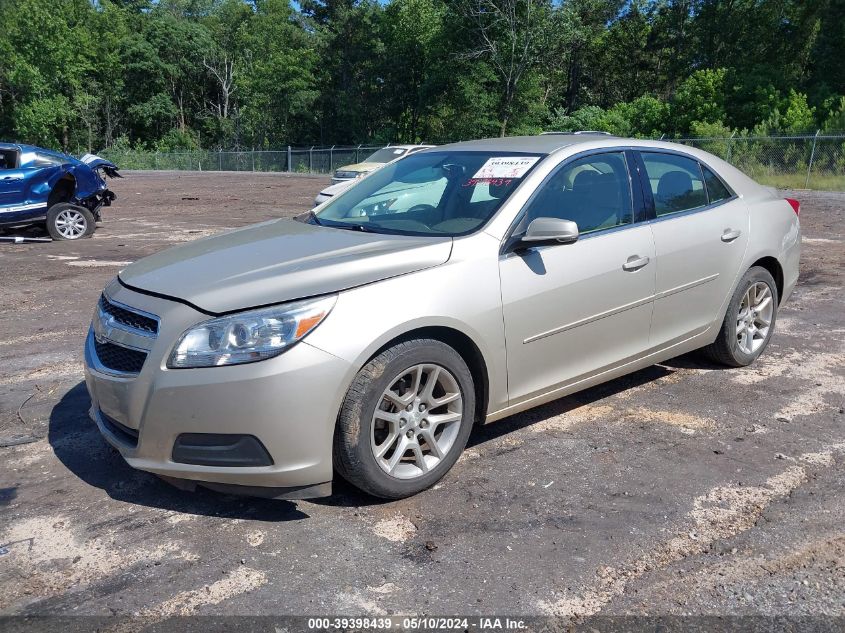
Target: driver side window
594, 192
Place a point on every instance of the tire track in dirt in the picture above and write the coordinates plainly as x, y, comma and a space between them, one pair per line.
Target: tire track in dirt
723, 512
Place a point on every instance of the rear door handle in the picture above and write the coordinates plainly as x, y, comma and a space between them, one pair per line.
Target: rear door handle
635, 262
730, 235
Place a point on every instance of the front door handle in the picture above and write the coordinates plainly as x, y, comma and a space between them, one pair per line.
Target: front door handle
730, 235
635, 262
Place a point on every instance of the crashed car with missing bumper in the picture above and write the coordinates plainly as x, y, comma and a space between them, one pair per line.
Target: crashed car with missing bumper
42, 186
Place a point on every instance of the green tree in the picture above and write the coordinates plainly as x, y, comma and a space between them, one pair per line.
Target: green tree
792, 116
509, 36
835, 121
415, 58
701, 97
277, 85
586, 118
46, 55
81, 74
350, 47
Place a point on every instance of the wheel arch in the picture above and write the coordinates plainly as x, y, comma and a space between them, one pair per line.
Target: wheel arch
63, 190
775, 269
461, 343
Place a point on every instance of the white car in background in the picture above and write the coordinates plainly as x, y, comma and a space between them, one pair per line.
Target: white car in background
346, 175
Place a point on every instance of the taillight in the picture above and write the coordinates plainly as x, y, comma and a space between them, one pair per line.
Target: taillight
796, 206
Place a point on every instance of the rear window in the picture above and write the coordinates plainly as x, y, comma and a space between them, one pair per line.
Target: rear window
716, 189
676, 183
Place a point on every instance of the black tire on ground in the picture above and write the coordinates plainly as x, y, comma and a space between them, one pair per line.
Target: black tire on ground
725, 349
353, 456
86, 221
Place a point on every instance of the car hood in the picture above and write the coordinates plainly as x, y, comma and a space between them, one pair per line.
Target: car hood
333, 190
95, 162
100, 163
279, 261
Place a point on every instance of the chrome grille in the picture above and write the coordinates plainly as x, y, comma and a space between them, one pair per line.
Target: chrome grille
128, 318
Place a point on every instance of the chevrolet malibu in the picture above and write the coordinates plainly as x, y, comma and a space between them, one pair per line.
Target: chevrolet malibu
367, 339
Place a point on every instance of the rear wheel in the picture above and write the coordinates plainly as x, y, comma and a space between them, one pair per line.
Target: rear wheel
749, 321
67, 221
405, 420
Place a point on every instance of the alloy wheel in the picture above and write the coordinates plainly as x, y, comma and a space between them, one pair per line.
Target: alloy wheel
755, 317
416, 421
71, 224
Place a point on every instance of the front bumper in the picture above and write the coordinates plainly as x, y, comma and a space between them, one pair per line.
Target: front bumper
289, 403
95, 203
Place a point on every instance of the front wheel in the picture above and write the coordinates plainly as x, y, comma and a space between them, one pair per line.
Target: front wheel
749, 321
405, 420
67, 221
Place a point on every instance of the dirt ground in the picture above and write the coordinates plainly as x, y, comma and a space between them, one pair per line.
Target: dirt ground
681, 489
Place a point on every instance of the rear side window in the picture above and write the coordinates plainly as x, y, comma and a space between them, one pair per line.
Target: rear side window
594, 192
676, 183
716, 190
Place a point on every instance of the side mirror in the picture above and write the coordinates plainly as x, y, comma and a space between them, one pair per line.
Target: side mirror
549, 231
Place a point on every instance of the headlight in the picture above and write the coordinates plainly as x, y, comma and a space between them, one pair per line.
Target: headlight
249, 336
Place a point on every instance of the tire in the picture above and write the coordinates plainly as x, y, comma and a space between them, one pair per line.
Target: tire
731, 346
66, 221
361, 433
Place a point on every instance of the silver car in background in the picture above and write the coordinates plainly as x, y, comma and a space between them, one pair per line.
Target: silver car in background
368, 338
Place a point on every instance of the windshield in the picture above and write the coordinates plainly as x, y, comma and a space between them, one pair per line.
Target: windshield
431, 193
386, 155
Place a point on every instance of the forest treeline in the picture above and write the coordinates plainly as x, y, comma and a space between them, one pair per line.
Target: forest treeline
185, 74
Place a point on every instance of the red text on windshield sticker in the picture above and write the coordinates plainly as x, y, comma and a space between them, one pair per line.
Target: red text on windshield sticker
493, 182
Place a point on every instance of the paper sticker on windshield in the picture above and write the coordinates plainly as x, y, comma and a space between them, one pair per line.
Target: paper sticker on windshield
506, 167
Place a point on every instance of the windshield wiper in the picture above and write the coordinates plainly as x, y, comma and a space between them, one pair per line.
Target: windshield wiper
355, 226
312, 218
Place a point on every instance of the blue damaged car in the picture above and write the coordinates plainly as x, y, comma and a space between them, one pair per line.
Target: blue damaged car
40, 186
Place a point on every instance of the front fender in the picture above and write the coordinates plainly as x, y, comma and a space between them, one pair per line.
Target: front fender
461, 295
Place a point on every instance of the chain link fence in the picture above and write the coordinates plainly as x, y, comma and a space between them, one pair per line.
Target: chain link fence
788, 162
311, 160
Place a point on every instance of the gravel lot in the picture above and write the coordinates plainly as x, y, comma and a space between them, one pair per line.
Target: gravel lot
681, 489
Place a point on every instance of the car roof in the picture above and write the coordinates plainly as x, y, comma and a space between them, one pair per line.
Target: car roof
540, 144
406, 146
551, 143
22, 147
